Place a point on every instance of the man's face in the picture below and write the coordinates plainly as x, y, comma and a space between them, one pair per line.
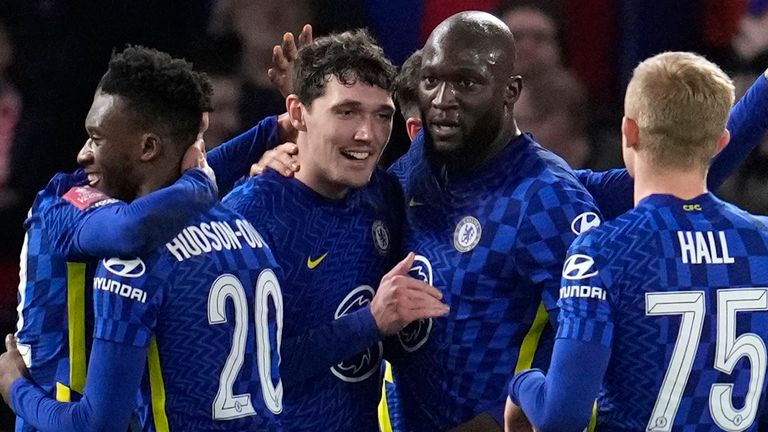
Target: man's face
461, 100
112, 152
347, 129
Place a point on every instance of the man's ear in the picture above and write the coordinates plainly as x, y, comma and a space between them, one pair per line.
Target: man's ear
295, 110
512, 90
630, 133
725, 138
413, 126
151, 146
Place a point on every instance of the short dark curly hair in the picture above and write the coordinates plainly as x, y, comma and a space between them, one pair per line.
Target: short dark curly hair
407, 85
162, 91
350, 56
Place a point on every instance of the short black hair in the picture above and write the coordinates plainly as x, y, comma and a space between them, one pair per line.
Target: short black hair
162, 91
350, 56
407, 85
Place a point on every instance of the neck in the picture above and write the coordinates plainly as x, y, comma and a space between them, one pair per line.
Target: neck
158, 178
312, 176
681, 184
475, 159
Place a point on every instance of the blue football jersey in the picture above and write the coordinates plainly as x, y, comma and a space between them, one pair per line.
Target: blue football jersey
54, 306
333, 253
678, 290
68, 225
493, 242
613, 190
208, 306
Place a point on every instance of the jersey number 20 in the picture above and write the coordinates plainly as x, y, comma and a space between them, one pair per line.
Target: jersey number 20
691, 306
227, 405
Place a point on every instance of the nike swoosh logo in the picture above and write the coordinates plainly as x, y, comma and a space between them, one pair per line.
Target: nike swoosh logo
414, 203
311, 264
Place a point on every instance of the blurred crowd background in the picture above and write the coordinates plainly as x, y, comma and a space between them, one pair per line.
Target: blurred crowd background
575, 56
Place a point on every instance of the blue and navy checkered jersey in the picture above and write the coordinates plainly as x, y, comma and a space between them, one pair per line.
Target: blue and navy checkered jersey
493, 242
678, 290
208, 306
334, 253
52, 293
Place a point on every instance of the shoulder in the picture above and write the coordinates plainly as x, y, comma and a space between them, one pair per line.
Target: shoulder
256, 192
745, 218
615, 237
60, 184
541, 170
385, 184
407, 162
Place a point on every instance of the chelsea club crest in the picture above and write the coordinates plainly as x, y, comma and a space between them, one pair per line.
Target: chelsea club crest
380, 235
467, 234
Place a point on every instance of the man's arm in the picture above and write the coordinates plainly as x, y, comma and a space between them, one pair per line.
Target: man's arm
233, 159
613, 189
748, 124
398, 301
114, 374
562, 399
318, 349
87, 223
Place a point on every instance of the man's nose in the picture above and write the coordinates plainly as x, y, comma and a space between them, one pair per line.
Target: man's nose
85, 156
445, 98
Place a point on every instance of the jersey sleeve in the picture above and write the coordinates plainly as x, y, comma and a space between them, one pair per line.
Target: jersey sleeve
233, 159
84, 222
114, 373
585, 306
554, 216
748, 123
127, 297
562, 399
316, 350
613, 190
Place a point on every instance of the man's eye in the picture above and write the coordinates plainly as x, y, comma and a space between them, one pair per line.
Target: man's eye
467, 83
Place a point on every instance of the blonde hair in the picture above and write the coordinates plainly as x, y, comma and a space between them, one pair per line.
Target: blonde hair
680, 102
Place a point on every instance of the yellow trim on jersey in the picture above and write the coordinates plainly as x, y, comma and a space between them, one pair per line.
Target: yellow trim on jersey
531, 340
157, 388
76, 325
385, 425
593, 420
63, 393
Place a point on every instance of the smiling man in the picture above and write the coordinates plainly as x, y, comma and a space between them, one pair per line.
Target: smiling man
336, 228
171, 305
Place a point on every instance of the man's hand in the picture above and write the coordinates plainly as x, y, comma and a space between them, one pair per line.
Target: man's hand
283, 58
281, 159
402, 299
483, 422
12, 367
515, 419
